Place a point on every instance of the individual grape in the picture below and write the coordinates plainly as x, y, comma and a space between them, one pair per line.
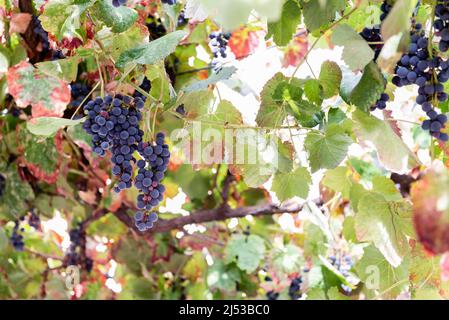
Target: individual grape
382, 102
169, 2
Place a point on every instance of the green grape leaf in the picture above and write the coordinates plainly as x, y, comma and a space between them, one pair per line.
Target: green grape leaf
161, 87
356, 51
392, 151
327, 150
47, 126
16, 194
338, 180
232, 13
289, 185
330, 78
115, 44
119, 19
63, 69
247, 251
152, 52
42, 155
384, 223
379, 276
314, 91
47, 96
62, 17
283, 29
223, 277
273, 96
288, 259
319, 13
368, 90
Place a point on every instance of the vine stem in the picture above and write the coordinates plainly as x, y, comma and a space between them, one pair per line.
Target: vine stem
319, 38
84, 100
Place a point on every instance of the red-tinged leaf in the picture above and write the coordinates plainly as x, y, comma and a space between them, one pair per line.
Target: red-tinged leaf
393, 123
42, 156
19, 22
296, 50
47, 96
245, 40
431, 210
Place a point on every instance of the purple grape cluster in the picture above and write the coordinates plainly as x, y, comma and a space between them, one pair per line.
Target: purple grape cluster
118, 3
40, 33
16, 238
169, 2
374, 39
113, 123
294, 290
441, 24
144, 221
182, 20
429, 73
272, 295
77, 244
79, 92
34, 220
218, 44
152, 167
145, 86
385, 7
343, 263
382, 102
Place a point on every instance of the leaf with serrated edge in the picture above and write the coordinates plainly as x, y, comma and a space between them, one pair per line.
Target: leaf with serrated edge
152, 52
293, 184
327, 150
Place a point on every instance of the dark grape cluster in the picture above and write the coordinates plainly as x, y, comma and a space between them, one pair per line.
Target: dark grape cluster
145, 86
17, 237
343, 263
33, 219
294, 290
385, 8
218, 44
77, 245
182, 20
429, 73
79, 92
272, 295
382, 102
40, 33
57, 54
155, 27
113, 123
118, 3
152, 167
441, 24
374, 39
2, 184
169, 2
